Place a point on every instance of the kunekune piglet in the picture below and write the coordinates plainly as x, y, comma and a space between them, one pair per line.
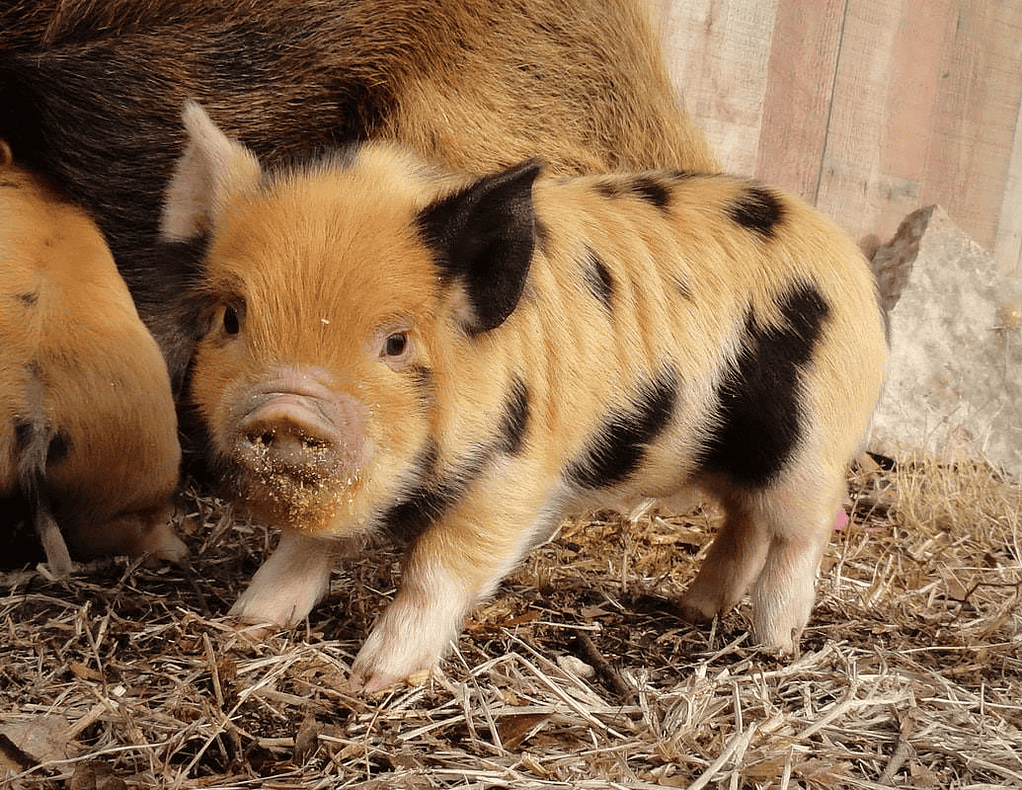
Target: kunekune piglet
88, 431
462, 361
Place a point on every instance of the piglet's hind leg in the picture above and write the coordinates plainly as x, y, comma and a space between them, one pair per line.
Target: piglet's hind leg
799, 520
772, 541
733, 563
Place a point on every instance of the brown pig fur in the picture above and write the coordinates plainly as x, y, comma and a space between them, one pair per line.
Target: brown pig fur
88, 432
507, 350
90, 96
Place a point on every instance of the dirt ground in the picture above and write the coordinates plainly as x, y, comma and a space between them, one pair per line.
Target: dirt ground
579, 673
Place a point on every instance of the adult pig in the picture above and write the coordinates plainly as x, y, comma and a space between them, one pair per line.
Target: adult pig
90, 96
461, 362
88, 432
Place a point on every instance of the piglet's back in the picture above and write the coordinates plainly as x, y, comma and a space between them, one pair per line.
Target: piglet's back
79, 371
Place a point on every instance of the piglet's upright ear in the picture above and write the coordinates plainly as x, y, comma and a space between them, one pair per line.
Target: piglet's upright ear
484, 237
212, 169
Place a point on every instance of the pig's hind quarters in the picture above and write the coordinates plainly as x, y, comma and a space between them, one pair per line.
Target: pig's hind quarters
90, 420
771, 543
791, 415
72, 516
777, 466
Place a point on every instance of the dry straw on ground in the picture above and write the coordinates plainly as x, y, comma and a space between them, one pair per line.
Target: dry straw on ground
578, 674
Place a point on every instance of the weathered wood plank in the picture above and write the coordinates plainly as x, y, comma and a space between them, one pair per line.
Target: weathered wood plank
855, 189
717, 52
1008, 246
867, 108
976, 116
800, 84
915, 80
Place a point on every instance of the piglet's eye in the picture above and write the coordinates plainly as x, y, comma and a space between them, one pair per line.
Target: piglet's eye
231, 321
395, 344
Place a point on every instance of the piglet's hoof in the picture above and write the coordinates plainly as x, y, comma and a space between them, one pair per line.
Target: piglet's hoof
250, 632
782, 643
693, 610
377, 684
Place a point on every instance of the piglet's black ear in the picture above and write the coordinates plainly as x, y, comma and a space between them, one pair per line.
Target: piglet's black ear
484, 237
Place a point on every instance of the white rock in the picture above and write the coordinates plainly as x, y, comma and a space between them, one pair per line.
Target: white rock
955, 384
576, 666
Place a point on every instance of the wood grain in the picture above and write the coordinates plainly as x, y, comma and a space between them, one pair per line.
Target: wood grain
799, 92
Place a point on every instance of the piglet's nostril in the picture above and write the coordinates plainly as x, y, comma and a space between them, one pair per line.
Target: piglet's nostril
265, 438
286, 438
287, 446
292, 438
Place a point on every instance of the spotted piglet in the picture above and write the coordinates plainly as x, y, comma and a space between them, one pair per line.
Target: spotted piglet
88, 430
460, 362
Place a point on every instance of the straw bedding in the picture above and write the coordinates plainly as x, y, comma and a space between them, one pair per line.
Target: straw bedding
578, 674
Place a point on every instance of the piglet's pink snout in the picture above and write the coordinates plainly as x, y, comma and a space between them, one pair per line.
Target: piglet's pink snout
294, 424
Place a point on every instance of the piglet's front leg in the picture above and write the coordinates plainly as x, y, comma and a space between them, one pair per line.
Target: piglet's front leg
416, 629
454, 564
291, 581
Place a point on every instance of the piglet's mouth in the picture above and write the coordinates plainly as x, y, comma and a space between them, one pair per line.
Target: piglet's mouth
320, 506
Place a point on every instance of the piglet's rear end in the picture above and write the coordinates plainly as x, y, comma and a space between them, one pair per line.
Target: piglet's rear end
88, 431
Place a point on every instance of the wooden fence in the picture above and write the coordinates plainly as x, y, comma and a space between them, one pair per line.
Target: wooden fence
867, 108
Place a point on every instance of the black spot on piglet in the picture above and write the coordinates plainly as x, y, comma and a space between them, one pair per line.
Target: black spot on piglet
439, 489
647, 188
760, 418
437, 492
759, 210
511, 434
619, 446
652, 191
599, 279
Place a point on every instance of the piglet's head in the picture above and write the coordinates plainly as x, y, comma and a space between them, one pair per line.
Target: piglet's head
338, 301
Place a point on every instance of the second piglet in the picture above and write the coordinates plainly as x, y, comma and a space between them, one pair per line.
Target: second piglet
88, 431
463, 361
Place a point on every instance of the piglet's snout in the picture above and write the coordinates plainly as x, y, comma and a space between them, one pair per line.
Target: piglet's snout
305, 435
289, 436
